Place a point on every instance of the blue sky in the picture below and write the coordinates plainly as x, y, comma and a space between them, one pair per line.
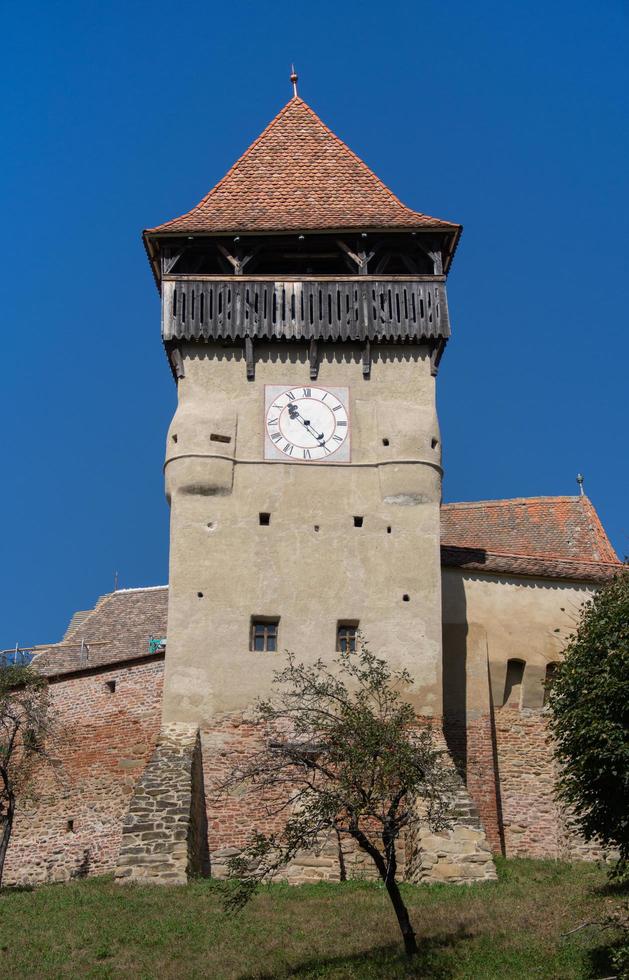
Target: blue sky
510, 118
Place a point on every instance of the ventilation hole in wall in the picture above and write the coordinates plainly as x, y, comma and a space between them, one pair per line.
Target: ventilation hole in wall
406, 597
174, 437
211, 525
385, 442
111, 686
434, 443
265, 519
70, 826
389, 530
358, 521
199, 595
316, 527
215, 437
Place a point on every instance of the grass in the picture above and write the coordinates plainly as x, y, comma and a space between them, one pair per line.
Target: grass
508, 929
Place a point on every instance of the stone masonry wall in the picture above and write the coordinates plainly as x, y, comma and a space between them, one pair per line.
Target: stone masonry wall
164, 836
461, 854
105, 738
101, 742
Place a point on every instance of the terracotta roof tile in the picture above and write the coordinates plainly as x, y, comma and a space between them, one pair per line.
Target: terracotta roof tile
299, 175
118, 628
553, 527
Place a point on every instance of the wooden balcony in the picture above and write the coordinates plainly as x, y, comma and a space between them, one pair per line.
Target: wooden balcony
335, 308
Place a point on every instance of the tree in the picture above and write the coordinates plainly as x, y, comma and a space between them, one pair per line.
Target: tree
589, 701
24, 719
343, 754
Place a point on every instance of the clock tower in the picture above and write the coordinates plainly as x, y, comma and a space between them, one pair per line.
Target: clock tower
304, 315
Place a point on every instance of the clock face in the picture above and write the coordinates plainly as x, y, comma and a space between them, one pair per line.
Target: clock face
307, 424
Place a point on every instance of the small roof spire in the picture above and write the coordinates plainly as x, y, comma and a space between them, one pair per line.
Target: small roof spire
580, 482
294, 77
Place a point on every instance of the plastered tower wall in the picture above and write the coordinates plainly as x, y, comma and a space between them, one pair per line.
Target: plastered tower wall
311, 566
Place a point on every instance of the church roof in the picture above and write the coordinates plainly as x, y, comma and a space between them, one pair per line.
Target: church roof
298, 175
559, 537
117, 629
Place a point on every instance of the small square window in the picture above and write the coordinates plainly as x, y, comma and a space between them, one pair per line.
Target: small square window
264, 635
346, 637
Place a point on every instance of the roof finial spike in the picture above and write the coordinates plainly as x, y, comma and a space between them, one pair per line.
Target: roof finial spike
580, 482
293, 78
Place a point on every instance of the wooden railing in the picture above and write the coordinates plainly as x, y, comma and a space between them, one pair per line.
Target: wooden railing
364, 308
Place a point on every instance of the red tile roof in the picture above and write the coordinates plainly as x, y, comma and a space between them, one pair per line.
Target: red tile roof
299, 176
560, 537
117, 629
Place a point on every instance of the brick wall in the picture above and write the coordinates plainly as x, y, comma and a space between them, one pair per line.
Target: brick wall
101, 743
510, 773
105, 739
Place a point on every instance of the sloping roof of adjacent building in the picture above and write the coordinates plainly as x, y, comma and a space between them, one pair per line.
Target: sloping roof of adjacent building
297, 175
545, 537
557, 537
117, 629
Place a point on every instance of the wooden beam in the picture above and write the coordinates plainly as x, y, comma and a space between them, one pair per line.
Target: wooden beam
177, 363
251, 368
169, 258
367, 359
361, 259
436, 351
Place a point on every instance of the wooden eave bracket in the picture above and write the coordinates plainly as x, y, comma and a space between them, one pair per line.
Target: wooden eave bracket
176, 361
360, 259
249, 359
313, 358
367, 359
237, 263
169, 259
436, 352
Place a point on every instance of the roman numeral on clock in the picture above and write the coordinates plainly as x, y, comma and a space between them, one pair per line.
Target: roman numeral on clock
290, 395
288, 448
307, 392
276, 436
307, 454
336, 408
337, 438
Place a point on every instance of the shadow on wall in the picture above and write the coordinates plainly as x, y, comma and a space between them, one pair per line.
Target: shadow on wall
454, 674
476, 760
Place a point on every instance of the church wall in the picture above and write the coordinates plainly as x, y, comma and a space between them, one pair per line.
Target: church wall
502, 747
311, 566
100, 743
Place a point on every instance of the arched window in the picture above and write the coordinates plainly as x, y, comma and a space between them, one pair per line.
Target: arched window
551, 670
513, 681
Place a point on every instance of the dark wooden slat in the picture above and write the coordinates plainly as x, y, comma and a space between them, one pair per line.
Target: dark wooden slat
361, 309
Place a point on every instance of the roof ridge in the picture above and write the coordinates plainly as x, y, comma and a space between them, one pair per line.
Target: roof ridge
362, 163
507, 500
598, 532
233, 167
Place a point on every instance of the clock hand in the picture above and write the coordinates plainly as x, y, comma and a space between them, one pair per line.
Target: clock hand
294, 413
